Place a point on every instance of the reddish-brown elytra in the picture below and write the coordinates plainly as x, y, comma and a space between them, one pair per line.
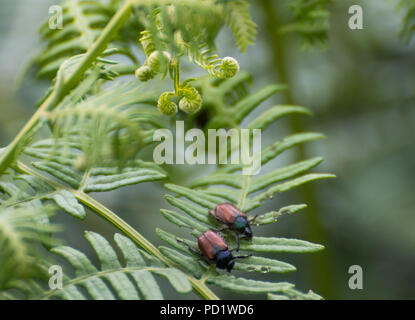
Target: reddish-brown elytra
215, 250
210, 243
234, 219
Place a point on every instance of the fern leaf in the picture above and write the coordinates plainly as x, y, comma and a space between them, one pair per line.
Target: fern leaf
311, 21
240, 22
107, 179
265, 265
294, 295
242, 285
58, 175
113, 280
22, 230
408, 23
67, 201
260, 244
97, 178
29, 191
83, 22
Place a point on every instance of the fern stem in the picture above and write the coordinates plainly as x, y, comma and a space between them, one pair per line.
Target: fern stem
198, 285
176, 75
122, 70
61, 90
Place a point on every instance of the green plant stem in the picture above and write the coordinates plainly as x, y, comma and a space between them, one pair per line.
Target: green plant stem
198, 285
176, 74
63, 88
322, 276
123, 70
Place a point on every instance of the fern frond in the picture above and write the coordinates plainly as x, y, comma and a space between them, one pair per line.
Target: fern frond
311, 20
60, 160
408, 23
26, 189
132, 280
83, 22
295, 295
59, 175
93, 147
228, 184
23, 229
240, 22
113, 124
204, 56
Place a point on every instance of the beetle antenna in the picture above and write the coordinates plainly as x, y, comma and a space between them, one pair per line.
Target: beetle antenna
242, 257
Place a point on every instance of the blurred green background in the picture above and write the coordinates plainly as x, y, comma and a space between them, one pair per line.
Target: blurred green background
361, 91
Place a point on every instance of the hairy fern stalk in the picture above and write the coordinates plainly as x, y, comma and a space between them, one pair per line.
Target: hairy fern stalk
99, 132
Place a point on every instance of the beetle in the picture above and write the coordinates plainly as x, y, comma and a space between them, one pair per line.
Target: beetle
233, 219
215, 250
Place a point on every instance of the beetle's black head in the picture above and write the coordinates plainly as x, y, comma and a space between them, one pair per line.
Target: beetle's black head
248, 232
224, 260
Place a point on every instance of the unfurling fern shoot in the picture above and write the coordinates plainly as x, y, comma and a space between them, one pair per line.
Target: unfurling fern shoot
228, 68
153, 66
190, 101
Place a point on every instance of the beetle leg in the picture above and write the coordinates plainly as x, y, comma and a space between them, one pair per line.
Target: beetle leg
192, 250
237, 241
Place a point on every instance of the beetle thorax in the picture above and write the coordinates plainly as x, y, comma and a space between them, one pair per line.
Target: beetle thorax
223, 258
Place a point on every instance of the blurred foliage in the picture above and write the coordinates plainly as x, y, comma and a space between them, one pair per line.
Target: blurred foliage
311, 20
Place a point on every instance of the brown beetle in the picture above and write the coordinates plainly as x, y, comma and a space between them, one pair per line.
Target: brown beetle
234, 219
215, 250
